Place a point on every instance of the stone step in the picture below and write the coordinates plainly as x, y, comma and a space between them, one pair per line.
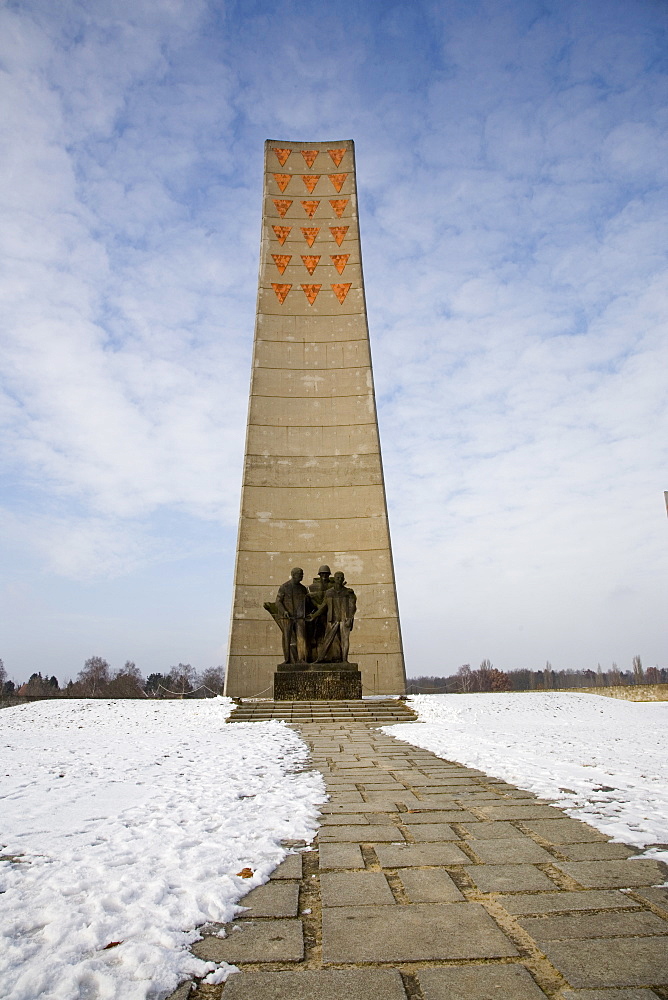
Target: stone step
305, 712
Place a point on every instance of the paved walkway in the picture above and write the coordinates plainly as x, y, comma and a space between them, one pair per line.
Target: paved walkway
433, 881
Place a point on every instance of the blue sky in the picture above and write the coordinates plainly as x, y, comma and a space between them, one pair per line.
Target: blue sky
512, 162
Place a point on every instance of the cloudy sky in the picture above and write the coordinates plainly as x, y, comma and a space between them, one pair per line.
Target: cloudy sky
512, 160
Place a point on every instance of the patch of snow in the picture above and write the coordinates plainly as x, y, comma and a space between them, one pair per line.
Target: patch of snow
221, 974
127, 822
601, 760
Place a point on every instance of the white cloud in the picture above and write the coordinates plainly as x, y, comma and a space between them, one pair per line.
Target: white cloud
511, 163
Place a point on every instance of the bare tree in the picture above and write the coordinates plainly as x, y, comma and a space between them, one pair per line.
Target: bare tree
94, 677
182, 679
638, 676
465, 677
213, 680
482, 677
3, 673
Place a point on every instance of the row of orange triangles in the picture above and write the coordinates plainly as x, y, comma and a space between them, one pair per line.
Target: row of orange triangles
310, 232
310, 180
309, 155
311, 291
282, 260
310, 207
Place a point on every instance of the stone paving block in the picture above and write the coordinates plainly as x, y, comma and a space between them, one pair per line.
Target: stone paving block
255, 941
632, 994
613, 874
479, 982
367, 766
514, 850
611, 961
491, 831
429, 885
340, 856
452, 772
441, 782
419, 932
573, 926
437, 816
417, 855
337, 819
354, 889
274, 899
350, 808
508, 878
345, 797
518, 812
433, 790
430, 832
369, 834
567, 902
564, 831
657, 896
436, 802
317, 984
290, 868
182, 992
473, 796
598, 851
386, 798
383, 788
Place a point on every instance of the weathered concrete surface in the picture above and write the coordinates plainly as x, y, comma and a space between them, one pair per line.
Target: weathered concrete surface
496, 908
313, 488
328, 984
420, 932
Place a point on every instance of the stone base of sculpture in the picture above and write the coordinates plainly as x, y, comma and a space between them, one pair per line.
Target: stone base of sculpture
317, 682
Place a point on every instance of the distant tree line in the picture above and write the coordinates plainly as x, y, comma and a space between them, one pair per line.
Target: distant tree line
488, 678
98, 680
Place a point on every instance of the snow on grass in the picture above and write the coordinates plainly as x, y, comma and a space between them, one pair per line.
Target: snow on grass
602, 760
129, 821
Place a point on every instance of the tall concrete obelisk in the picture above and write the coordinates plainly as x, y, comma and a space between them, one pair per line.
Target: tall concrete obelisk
313, 488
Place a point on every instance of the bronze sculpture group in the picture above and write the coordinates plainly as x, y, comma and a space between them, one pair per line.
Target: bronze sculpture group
315, 622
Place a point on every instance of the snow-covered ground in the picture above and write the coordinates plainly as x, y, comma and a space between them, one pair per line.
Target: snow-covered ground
602, 760
130, 821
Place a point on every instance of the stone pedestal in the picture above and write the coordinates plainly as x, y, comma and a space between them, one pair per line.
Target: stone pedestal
317, 682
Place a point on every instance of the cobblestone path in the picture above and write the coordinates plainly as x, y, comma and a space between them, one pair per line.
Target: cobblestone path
433, 881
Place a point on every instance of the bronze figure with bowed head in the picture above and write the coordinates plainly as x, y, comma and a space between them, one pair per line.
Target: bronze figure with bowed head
340, 604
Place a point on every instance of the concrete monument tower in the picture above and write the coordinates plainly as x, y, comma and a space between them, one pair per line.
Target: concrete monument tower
313, 492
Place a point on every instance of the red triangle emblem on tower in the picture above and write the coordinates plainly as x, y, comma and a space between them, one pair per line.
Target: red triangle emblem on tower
311, 292
282, 233
283, 180
339, 206
336, 179
310, 207
339, 233
340, 291
282, 155
309, 155
281, 260
310, 181
337, 155
282, 205
281, 291
310, 263
310, 234
339, 260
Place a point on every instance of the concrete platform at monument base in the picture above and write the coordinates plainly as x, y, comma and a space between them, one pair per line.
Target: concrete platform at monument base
433, 881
